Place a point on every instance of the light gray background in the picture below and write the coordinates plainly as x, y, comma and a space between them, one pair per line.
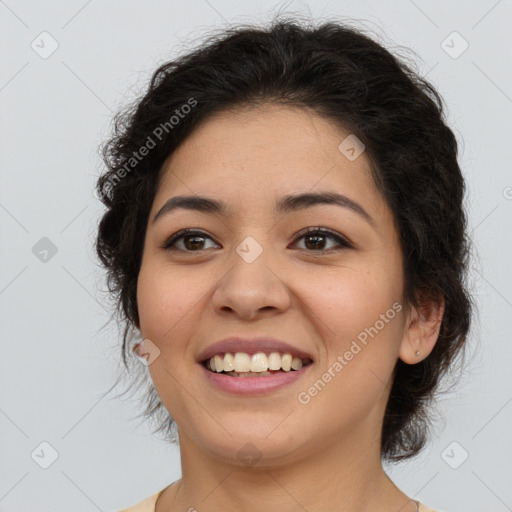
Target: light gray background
57, 363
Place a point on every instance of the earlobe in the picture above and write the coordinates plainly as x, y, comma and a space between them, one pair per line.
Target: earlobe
421, 331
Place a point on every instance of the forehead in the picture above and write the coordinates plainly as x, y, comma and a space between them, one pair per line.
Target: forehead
250, 154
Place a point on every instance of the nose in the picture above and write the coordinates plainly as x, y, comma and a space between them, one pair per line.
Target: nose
251, 290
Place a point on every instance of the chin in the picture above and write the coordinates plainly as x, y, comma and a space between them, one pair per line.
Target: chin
255, 449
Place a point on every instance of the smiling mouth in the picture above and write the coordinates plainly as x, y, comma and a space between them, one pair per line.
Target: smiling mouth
259, 365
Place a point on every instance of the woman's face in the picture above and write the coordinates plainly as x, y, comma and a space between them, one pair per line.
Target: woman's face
250, 273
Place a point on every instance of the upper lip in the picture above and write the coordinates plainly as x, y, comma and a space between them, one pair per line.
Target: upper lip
251, 346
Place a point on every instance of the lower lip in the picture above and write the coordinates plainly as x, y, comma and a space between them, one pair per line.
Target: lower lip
253, 385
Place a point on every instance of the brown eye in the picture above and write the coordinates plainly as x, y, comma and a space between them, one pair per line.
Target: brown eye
192, 242
187, 240
316, 239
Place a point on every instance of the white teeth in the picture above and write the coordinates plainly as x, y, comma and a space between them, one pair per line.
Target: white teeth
242, 362
287, 362
257, 363
218, 362
296, 363
274, 361
229, 363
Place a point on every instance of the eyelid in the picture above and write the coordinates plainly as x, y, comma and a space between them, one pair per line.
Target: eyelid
342, 240
182, 233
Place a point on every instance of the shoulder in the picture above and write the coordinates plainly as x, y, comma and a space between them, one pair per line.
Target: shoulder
147, 505
423, 508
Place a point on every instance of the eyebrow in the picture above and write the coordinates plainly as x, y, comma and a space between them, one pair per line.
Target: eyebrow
286, 204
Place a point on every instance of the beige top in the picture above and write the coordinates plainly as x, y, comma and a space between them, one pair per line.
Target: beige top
148, 505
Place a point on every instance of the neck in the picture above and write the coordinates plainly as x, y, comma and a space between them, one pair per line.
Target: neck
344, 476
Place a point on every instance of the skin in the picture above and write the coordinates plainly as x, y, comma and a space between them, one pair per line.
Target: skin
324, 455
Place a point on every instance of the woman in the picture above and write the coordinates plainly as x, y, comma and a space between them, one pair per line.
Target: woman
286, 237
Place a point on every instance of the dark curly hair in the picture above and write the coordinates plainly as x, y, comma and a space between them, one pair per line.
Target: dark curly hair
342, 74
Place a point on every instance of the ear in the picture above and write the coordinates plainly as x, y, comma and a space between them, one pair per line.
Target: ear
421, 330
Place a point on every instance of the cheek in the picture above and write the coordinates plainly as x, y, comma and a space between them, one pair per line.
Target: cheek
164, 301
359, 315
348, 302
360, 345
169, 311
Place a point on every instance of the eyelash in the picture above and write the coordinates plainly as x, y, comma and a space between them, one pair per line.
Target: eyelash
343, 242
